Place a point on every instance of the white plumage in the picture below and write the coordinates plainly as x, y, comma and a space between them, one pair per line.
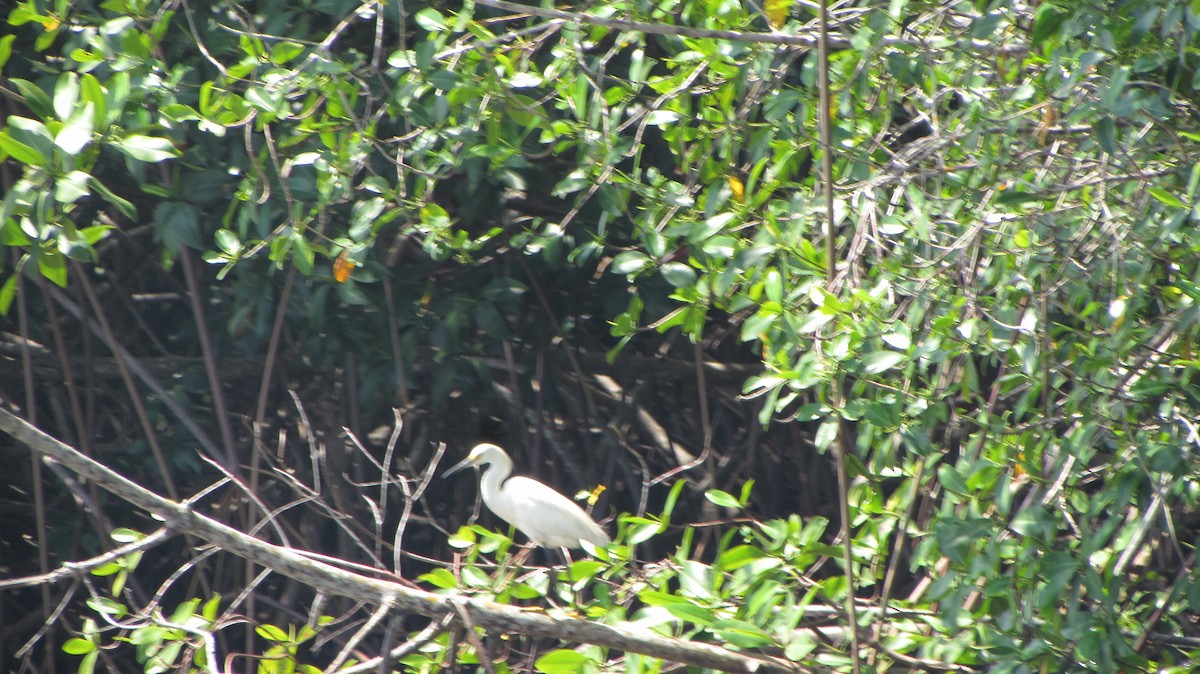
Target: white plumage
547, 517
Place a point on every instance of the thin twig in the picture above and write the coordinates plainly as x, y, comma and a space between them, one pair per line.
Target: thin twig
807, 41
74, 569
325, 578
385, 607
840, 446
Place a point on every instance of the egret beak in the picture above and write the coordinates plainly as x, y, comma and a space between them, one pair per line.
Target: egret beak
465, 463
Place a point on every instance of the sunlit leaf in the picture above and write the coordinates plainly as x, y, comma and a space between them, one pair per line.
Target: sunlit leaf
882, 361
78, 646
147, 148
630, 262
561, 661
723, 499
20, 151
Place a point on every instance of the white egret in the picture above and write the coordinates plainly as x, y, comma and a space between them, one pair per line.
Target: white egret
547, 517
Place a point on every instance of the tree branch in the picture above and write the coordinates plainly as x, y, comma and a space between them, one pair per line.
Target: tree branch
334, 581
806, 41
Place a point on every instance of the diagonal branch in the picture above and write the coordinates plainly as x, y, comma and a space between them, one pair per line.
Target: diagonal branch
334, 581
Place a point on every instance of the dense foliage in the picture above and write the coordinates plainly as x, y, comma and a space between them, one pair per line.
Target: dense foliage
238, 235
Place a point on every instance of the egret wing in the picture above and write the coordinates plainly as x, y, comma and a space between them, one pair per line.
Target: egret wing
548, 518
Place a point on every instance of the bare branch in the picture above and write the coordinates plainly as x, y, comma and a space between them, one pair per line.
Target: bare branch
334, 581
803, 40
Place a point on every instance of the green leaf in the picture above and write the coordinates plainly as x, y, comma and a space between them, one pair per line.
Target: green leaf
211, 607
228, 241
900, 337
951, 479
882, 361
630, 262
504, 289
302, 254
66, 95
127, 209
118, 583
272, 633
149, 149
827, 432
178, 225
1046, 22
1111, 94
642, 529
662, 117
78, 646
1106, 132
125, 535
747, 489
53, 265
1058, 569
678, 274
88, 664
984, 26
32, 133
435, 216
6, 48
741, 634
107, 606
958, 539
23, 14
363, 216
669, 504
77, 132
489, 319
106, 569
659, 598
37, 100
72, 187
1166, 197
443, 79
737, 557
561, 661
721, 498
7, 292
180, 112
431, 20
285, 51
441, 578
692, 613
185, 611
20, 151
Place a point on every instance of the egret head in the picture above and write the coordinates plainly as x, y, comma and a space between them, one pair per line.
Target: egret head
481, 455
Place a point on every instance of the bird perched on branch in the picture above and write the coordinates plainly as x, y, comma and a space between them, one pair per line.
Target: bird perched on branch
547, 517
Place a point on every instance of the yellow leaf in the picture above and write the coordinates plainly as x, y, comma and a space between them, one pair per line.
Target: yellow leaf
1048, 120
591, 496
1018, 468
776, 11
738, 188
343, 266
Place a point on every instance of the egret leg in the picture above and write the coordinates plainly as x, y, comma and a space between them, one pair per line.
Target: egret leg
523, 555
551, 578
567, 561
